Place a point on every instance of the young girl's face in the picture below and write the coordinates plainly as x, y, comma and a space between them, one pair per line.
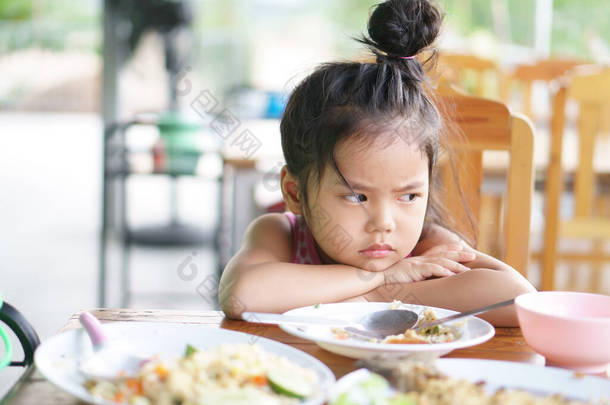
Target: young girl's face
391, 181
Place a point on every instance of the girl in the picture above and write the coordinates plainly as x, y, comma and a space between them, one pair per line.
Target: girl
360, 142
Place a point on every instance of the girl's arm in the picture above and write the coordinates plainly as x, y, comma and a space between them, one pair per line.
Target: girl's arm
260, 277
489, 281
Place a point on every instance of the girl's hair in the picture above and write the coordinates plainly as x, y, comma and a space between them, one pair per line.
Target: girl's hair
367, 100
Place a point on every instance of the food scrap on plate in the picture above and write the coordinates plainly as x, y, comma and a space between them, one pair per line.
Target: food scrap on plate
435, 334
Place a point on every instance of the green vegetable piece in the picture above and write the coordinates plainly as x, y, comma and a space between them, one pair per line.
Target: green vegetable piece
343, 399
317, 306
375, 383
376, 389
291, 385
190, 350
401, 399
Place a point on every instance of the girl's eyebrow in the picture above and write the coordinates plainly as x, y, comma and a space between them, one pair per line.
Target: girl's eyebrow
409, 186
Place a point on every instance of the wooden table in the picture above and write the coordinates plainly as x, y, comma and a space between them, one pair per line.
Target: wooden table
507, 344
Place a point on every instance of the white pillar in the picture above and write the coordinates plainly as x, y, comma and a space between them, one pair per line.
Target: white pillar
544, 25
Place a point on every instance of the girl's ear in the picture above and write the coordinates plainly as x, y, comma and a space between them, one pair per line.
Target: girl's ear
291, 191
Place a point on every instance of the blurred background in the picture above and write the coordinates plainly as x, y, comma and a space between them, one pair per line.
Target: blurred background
137, 139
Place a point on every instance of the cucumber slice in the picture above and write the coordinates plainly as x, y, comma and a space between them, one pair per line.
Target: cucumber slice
291, 385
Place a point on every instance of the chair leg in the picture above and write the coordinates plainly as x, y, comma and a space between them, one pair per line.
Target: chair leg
601, 209
126, 277
597, 266
102, 269
573, 276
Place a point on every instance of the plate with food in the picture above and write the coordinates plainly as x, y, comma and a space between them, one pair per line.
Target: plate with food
466, 381
187, 364
438, 340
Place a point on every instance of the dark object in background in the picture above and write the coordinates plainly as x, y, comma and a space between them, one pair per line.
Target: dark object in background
125, 21
168, 17
28, 338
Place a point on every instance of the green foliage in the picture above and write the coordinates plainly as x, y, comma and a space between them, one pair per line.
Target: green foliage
15, 10
575, 22
522, 18
50, 24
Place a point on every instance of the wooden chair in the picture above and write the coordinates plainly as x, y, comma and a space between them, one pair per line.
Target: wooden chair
525, 75
455, 68
477, 125
589, 87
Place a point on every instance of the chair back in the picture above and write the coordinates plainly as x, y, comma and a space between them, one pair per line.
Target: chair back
589, 88
476, 125
543, 70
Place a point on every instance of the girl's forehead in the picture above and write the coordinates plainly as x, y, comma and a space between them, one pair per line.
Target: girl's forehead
372, 147
380, 162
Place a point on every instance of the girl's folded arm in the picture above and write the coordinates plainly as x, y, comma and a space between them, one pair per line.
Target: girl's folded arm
462, 292
261, 277
489, 281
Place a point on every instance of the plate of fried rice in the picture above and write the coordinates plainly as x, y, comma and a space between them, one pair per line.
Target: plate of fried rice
465, 382
188, 364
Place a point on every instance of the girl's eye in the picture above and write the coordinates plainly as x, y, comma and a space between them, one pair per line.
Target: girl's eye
356, 198
409, 197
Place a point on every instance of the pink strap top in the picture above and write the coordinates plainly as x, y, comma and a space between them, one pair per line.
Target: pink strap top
303, 246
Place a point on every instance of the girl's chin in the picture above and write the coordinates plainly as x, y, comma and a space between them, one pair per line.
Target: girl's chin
364, 263
377, 264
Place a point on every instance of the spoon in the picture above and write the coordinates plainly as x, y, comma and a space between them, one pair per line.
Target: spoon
377, 325
108, 361
367, 335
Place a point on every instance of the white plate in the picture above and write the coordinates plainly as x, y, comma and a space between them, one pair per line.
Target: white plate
475, 331
538, 380
57, 358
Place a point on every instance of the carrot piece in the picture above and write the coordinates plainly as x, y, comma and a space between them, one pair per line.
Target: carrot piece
135, 385
161, 371
260, 380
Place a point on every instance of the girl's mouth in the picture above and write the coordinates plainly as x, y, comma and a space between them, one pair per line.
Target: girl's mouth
376, 253
377, 250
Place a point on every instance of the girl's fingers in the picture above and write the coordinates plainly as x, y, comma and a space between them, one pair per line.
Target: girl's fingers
458, 255
462, 256
441, 249
452, 265
439, 270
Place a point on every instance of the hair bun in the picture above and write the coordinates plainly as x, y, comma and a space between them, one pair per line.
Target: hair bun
401, 28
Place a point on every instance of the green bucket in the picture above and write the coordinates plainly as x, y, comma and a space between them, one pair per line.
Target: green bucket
181, 138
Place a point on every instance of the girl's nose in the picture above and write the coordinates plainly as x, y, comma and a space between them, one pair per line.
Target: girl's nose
381, 220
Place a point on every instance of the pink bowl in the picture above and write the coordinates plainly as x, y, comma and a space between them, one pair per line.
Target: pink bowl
570, 329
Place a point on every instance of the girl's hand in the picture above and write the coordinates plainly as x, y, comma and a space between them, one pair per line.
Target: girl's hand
439, 261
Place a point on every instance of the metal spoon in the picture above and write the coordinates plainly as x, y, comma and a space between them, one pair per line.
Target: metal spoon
108, 361
367, 335
377, 325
